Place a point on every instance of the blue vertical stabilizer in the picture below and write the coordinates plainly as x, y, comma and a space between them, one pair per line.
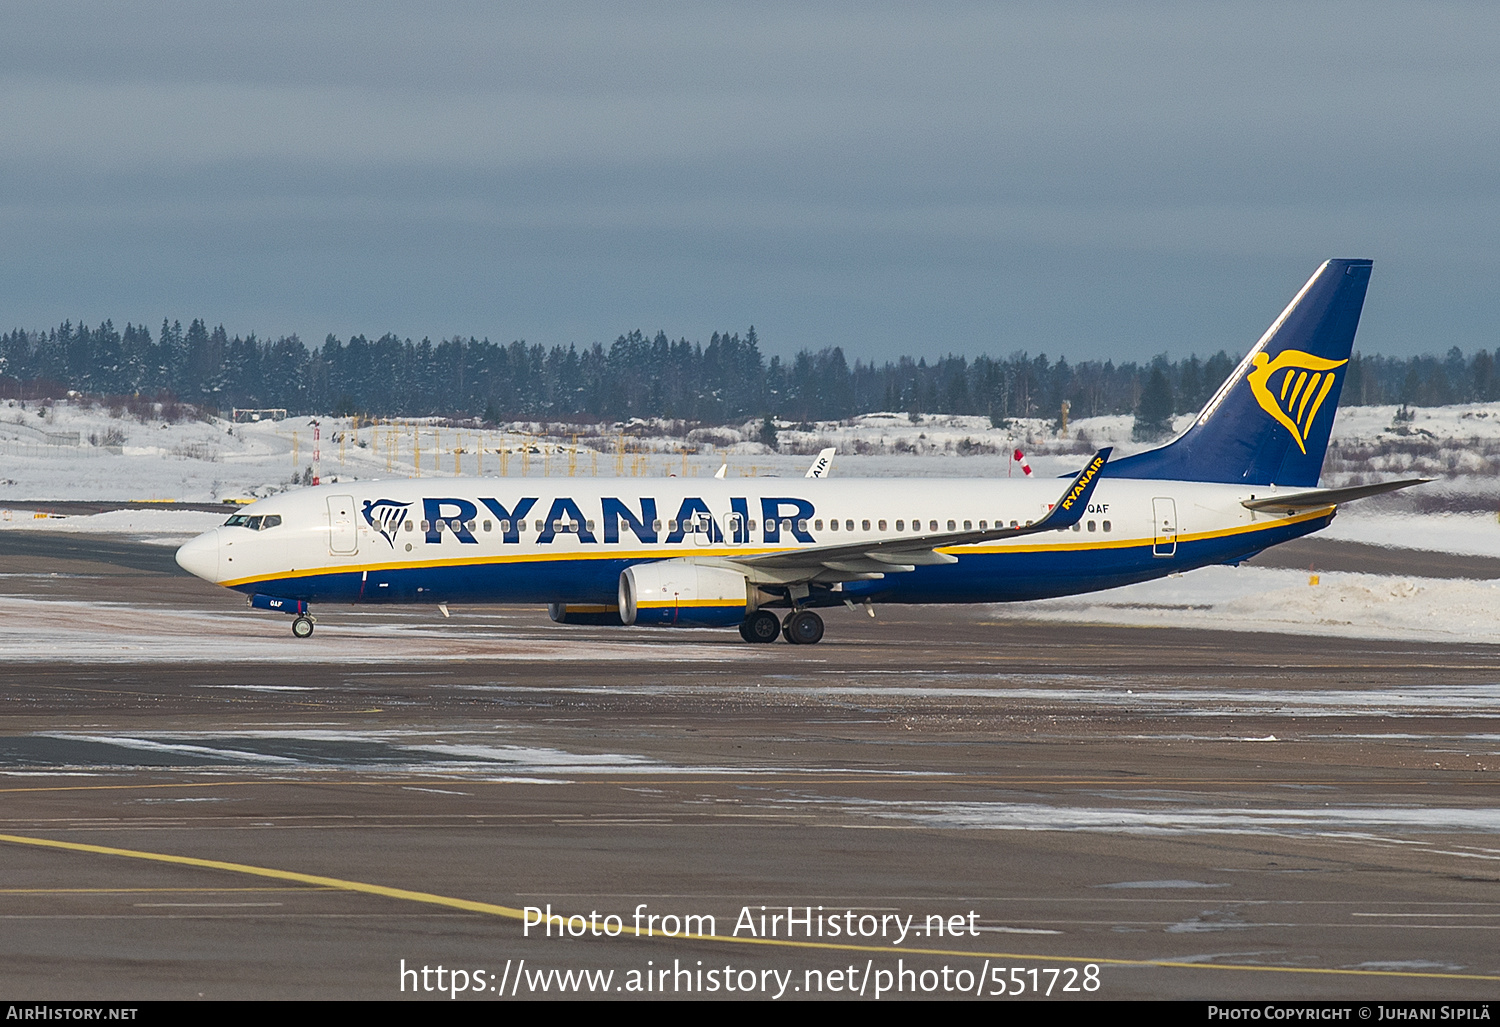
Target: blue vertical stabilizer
1270, 422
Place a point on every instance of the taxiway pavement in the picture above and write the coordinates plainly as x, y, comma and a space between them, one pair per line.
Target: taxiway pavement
233, 813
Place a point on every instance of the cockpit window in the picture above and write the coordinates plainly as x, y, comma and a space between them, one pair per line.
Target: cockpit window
253, 523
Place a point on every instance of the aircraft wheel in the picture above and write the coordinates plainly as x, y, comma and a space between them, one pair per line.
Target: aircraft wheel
803, 628
760, 626
302, 627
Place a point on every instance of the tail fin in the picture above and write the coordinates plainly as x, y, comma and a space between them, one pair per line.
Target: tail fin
1270, 422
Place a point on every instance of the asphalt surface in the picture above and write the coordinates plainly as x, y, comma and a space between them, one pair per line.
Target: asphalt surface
1149, 813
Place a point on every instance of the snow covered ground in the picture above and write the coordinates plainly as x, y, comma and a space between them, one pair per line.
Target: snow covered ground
118, 458
1250, 598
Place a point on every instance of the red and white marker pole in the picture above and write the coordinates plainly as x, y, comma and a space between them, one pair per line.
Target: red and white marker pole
1020, 458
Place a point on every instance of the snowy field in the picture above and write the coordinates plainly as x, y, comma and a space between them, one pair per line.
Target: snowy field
73, 452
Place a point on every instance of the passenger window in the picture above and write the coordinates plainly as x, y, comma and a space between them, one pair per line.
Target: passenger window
848, 525
406, 525
833, 525
864, 525
591, 525
1014, 524
881, 525
752, 525
981, 525
932, 525
426, 526
1077, 526
900, 525
1106, 525
488, 525
802, 525
1092, 525
540, 525
471, 525
656, 525
818, 525
952, 526
968, 525
505, 527
671, 525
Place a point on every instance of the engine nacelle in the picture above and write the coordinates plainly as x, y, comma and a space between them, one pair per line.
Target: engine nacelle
679, 593
578, 613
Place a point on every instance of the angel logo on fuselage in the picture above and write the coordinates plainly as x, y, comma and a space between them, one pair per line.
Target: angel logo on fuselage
385, 516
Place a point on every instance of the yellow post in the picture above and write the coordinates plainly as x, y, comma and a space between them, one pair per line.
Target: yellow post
295, 449
573, 456
416, 451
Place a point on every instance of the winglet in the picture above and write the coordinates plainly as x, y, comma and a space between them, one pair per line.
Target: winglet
821, 465
1069, 510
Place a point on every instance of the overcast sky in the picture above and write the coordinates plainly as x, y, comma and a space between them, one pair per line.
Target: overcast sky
1086, 180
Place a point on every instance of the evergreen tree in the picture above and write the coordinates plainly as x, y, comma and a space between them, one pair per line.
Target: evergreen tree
1153, 416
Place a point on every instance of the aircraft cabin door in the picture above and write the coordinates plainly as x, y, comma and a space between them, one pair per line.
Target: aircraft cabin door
1164, 542
342, 537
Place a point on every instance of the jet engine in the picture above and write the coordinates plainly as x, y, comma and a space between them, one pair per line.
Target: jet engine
680, 593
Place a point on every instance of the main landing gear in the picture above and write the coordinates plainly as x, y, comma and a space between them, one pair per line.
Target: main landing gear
761, 626
800, 627
302, 626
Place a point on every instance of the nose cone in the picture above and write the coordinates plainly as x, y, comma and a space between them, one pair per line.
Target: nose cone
201, 556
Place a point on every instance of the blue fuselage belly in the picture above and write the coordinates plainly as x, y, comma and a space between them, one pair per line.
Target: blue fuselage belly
992, 576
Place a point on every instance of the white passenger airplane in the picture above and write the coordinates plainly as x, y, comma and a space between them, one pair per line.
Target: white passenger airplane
766, 553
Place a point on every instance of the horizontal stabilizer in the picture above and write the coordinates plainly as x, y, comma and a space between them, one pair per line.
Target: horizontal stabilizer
1328, 497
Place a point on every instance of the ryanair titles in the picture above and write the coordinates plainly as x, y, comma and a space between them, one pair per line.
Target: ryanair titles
640, 517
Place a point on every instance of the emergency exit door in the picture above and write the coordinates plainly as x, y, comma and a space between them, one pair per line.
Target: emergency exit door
1164, 542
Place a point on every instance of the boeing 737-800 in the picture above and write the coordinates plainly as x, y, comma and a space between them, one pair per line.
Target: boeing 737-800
766, 553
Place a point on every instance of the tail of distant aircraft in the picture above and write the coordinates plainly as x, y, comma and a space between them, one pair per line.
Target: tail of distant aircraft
1270, 422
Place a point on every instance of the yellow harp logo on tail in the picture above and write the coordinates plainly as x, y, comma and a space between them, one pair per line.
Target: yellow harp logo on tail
1292, 388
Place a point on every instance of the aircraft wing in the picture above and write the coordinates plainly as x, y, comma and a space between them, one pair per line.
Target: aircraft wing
858, 561
1327, 497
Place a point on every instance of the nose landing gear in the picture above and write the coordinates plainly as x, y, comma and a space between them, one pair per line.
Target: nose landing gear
302, 626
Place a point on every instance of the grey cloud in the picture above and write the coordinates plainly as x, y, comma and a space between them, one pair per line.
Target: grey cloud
1089, 178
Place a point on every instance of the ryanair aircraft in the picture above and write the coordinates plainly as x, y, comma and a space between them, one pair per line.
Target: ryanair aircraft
766, 554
